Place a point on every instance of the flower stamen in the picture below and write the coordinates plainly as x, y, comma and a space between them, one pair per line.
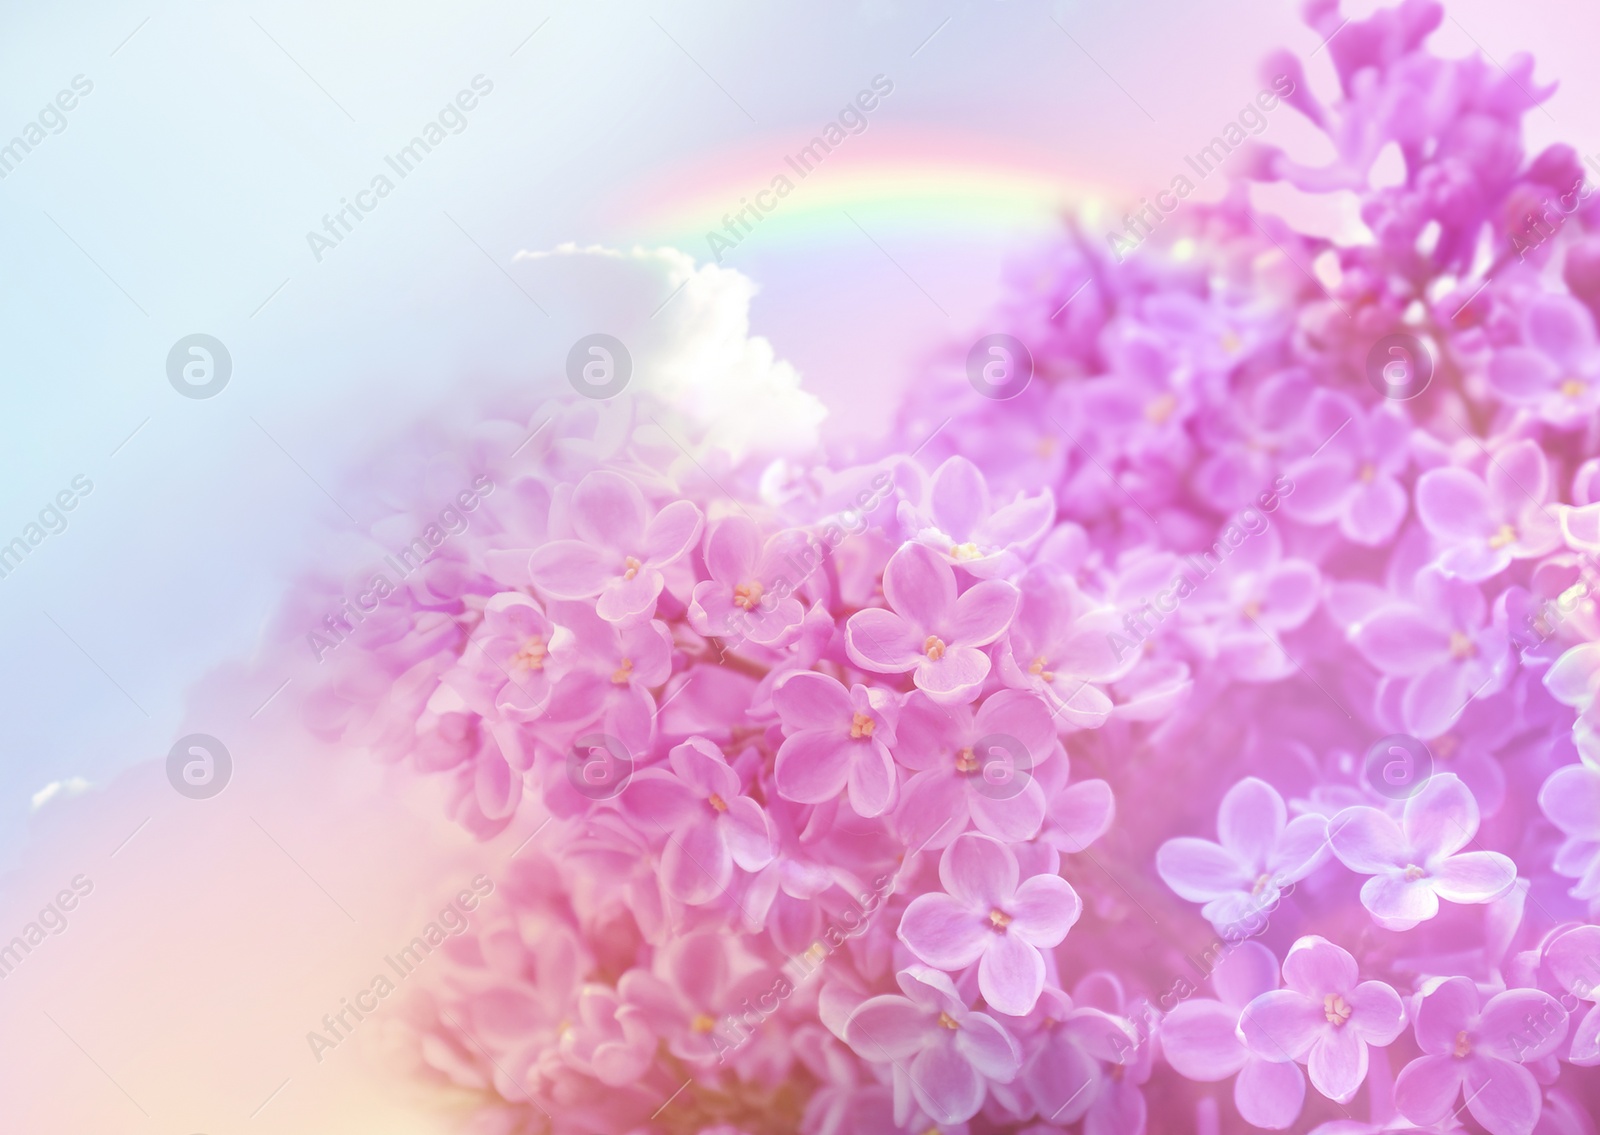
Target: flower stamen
747, 595
1506, 535
531, 656
999, 920
623, 674
948, 1021
861, 727
934, 647
631, 567
1336, 1009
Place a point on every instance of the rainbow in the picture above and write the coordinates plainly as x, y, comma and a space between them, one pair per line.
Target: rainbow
919, 181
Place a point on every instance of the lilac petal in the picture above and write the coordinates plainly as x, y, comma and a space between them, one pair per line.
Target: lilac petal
1198, 1039
1300, 849
979, 872
958, 498
989, 1048
934, 810
812, 766
1018, 524
946, 1085
608, 510
983, 612
808, 700
1401, 640
1426, 1089
1338, 1064
1269, 1095
1320, 485
1586, 1039
919, 585
1251, 818
956, 677
1119, 1109
1282, 1025
1444, 1013
1376, 1012
1082, 813
1396, 900
622, 599
571, 569
1518, 477
1366, 840
696, 864
1574, 959
1098, 1032
1292, 593
1473, 877
1044, 909
1435, 699
671, 533
1522, 1025
871, 780
1475, 562
1020, 716
1247, 972
1011, 975
1455, 505
1315, 967
1014, 819
1521, 375
1374, 512
943, 932
700, 765
752, 839
1575, 676
657, 797
1441, 817
886, 1028
1062, 1078
882, 641
1560, 327
1502, 1096
732, 545
1199, 870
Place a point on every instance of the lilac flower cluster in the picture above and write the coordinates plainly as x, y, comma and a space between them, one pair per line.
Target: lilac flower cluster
875, 795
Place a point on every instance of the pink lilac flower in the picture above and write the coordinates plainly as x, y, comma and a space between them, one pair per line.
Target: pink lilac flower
1069, 1049
784, 818
750, 592
960, 522
1261, 852
1200, 1038
929, 630
1574, 961
991, 916
941, 1052
1353, 479
618, 549
1479, 1047
1556, 370
1060, 647
710, 825
836, 740
1570, 798
1442, 644
1325, 1017
1483, 525
515, 657
1418, 861
972, 767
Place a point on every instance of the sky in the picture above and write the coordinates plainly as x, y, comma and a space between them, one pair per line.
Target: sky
205, 141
